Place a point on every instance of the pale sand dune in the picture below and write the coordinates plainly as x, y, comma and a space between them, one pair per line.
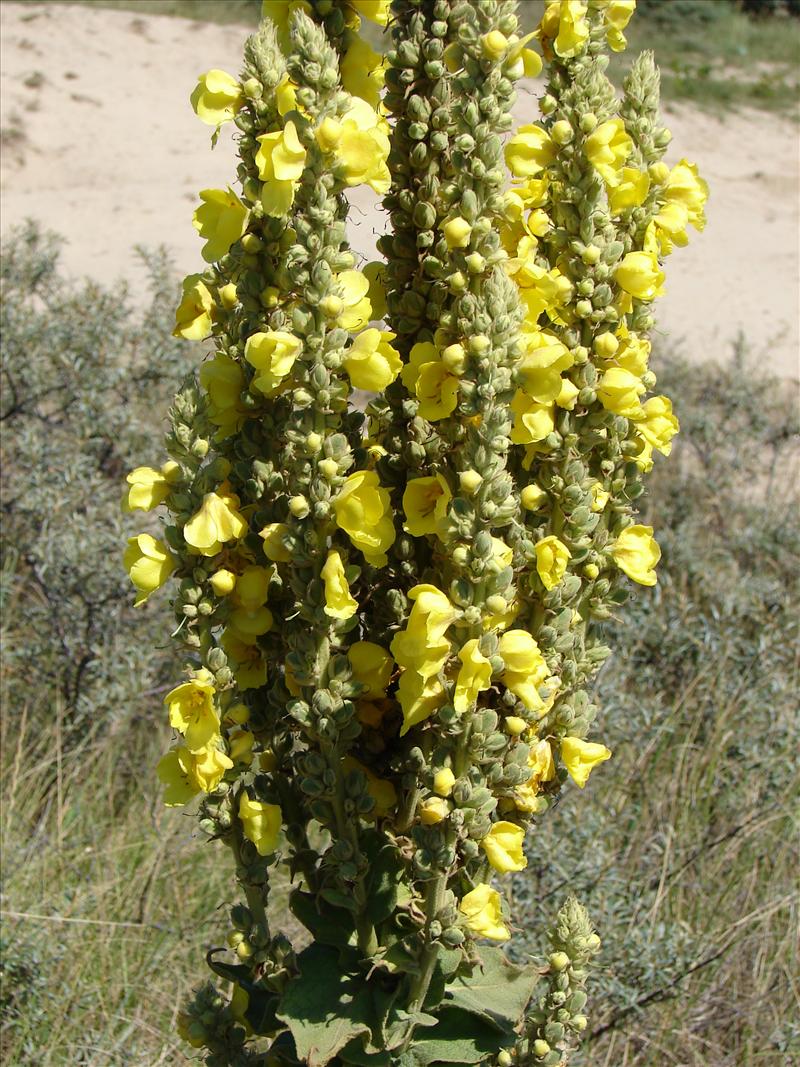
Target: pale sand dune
112, 156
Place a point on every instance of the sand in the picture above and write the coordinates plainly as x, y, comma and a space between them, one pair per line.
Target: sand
100, 144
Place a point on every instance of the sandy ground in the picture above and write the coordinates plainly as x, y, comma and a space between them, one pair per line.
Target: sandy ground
100, 144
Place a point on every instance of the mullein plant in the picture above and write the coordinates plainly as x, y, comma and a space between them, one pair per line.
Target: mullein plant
391, 618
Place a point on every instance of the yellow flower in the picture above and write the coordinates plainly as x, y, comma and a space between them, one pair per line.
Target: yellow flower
196, 312
362, 71
176, 771
543, 291
607, 149
657, 425
685, 186
633, 352
630, 191
529, 151
375, 10
272, 354
371, 362
375, 273
217, 522
360, 146
503, 847
422, 646
382, 791
543, 769
636, 552
474, 676
551, 561
618, 391
363, 510
339, 603
221, 220
281, 160
209, 766
286, 95
274, 548
564, 24
483, 913
354, 309
533, 421
418, 698
245, 658
532, 497
149, 563
600, 496
425, 503
525, 667
149, 487
261, 823
432, 382
616, 16
223, 582
216, 97
240, 743
580, 757
223, 380
541, 365
192, 712
521, 61
640, 275
433, 810
252, 587
372, 666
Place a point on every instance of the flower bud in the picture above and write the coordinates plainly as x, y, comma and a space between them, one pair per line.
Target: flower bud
494, 44
328, 468
470, 481
605, 345
331, 306
433, 810
457, 233
298, 505
475, 263
443, 782
590, 255
659, 173
223, 582
515, 725
228, 296
453, 358
559, 961
532, 497
562, 132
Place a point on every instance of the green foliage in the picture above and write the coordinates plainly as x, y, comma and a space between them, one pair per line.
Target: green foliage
687, 858
81, 375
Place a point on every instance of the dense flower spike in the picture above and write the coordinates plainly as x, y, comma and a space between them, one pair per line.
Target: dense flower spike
391, 619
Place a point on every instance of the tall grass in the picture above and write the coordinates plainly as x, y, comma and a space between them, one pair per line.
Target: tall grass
685, 849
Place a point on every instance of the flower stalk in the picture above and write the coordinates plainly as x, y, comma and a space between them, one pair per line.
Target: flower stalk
392, 617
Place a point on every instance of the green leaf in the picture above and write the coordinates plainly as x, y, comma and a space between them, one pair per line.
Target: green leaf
499, 993
229, 971
261, 1007
324, 1007
337, 899
460, 1038
329, 925
353, 1052
385, 869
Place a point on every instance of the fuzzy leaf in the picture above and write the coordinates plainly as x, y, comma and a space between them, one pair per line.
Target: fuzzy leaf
460, 1038
384, 873
324, 1008
328, 925
499, 993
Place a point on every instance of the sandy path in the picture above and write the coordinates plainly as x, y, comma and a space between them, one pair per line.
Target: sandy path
110, 155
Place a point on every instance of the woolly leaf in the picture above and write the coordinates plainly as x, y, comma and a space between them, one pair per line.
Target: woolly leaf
323, 1007
327, 924
461, 1038
498, 992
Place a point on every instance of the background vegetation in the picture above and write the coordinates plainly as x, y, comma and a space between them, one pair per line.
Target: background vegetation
684, 848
